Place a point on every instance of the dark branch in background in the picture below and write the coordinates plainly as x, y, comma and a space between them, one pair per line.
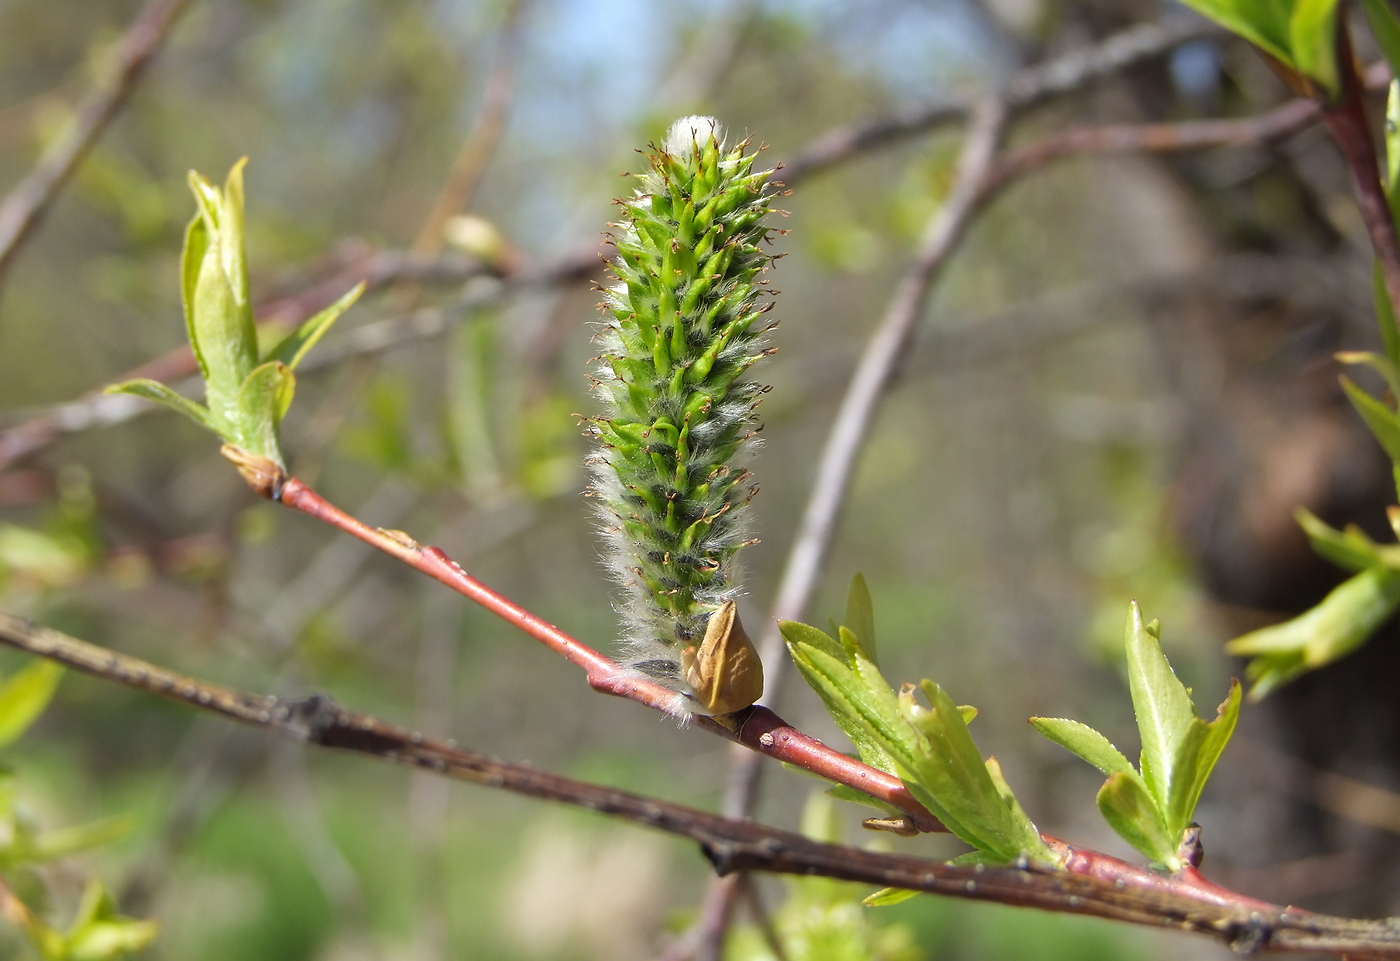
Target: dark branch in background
1090, 884
27, 202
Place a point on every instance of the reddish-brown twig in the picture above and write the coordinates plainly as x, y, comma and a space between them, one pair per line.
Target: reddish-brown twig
26, 203
756, 728
1085, 882
1351, 129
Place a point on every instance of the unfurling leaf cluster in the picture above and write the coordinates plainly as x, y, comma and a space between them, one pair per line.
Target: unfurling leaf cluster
1152, 807
685, 326
1305, 40
928, 747
247, 392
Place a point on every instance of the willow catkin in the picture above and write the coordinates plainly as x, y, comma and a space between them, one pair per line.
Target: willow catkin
686, 323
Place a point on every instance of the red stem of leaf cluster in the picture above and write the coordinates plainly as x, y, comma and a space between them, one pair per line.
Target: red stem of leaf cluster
757, 728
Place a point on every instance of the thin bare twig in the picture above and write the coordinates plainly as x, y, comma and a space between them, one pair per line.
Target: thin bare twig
1026, 88
26, 203
470, 163
1274, 124
1084, 882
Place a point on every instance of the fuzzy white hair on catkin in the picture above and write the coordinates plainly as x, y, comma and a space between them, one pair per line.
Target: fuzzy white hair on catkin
689, 132
653, 637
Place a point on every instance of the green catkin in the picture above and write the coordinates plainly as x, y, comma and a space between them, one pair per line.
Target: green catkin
685, 324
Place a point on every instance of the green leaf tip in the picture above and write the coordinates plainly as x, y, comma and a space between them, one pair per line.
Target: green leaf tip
928, 746
24, 696
1338, 625
684, 326
1151, 808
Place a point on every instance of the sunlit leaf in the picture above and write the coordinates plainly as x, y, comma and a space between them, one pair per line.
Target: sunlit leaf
1332, 629
163, 395
1312, 34
1264, 23
887, 896
846, 697
98, 933
1160, 701
1350, 549
1379, 418
1385, 310
952, 770
1380, 364
262, 403
1200, 748
860, 616
1129, 809
296, 345
1084, 741
24, 696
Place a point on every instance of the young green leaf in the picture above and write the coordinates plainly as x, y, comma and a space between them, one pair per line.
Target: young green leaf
1385, 311
795, 632
1084, 741
1391, 132
24, 696
1153, 809
930, 749
219, 316
860, 615
1163, 708
1264, 23
949, 768
824, 666
163, 395
1377, 362
1196, 757
98, 933
887, 896
1312, 35
1351, 549
1129, 808
1378, 417
262, 403
1332, 629
295, 346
